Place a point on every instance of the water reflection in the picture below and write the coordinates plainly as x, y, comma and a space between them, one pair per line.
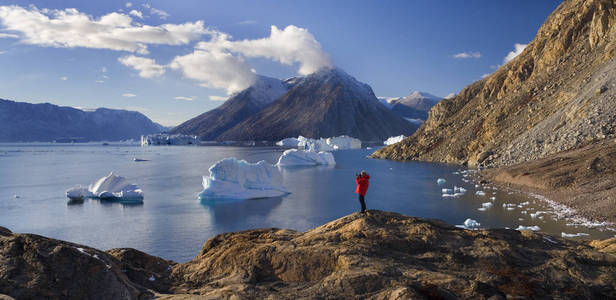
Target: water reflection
228, 212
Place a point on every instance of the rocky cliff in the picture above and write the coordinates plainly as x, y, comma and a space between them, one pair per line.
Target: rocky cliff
380, 255
558, 94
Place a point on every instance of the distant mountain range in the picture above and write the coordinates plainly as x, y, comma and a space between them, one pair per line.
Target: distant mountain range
326, 103
26, 122
414, 106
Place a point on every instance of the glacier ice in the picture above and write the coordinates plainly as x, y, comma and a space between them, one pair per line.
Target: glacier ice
231, 178
342, 142
169, 139
394, 139
110, 187
470, 223
295, 157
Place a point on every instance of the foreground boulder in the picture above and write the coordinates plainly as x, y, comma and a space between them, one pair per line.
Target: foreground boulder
380, 255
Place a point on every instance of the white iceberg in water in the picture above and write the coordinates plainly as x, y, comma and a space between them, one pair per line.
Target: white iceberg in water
470, 223
480, 193
342, 142
169, 139
441, 181
288, 142
231, 178
110, 187
394, 139
294, 157
533, 228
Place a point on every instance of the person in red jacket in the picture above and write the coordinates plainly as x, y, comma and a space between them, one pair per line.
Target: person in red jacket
363, 181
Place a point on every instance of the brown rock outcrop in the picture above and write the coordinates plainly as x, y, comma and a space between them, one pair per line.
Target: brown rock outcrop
380, 255
558, 94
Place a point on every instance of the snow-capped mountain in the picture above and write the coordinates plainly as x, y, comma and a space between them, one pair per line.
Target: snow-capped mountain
236, 109
326, 103
414, 106
26, 122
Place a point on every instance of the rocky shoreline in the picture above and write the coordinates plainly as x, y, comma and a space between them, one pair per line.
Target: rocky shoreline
380, 255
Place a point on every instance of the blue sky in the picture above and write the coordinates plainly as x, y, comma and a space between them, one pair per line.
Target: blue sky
395, 46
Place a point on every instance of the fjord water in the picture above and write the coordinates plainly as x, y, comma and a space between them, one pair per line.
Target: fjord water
174, 224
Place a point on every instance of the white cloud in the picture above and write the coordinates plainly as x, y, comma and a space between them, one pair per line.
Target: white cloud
218, 98
64, 78
136, 13
215, 69
287, 46
147, 67
129, 95
184, 98
517, 49
154, 11
8, 36
129, 4
70, 28
464, 55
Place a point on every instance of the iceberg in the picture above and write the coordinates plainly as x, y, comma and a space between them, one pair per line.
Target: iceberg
110, 187
294, 157
480, 193
231, 178
446, 191
169, 139
571, 235
459, 189
533, 228
470, 223
394, 139
441, 181
342, 142
288, 142
487, 204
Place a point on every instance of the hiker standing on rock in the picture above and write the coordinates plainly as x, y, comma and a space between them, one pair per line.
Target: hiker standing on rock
363, 181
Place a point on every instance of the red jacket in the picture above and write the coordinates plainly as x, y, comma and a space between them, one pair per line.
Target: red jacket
362, 184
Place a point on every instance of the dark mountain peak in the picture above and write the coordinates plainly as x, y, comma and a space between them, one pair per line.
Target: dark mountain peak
335, 75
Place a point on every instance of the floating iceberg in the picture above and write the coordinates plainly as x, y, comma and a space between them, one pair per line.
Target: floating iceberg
570, 235
487, 204
480, 193
288, 142
294, 157
394, 139
459, 189
533, 228
470, 223
446, 191
441, 181
169, 139
231, 178
110, 187
342, 142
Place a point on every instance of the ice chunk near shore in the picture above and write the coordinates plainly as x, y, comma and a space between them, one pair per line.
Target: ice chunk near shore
470, 223
570, 235
115, 187
169, 139
533, 228
231, 178
487, 204
441, 181
480, 193
459, 189
294, 157
446, 191
394, 139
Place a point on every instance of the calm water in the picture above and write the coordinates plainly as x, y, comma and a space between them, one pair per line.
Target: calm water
173, 224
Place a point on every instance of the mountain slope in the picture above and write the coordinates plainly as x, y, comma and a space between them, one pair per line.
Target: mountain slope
414, 106
26, 122
558, 94
326, 103
236, 109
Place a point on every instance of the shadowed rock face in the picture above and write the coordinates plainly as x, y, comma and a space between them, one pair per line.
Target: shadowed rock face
558, 94
378, 256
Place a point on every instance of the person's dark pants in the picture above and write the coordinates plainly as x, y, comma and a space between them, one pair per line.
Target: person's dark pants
363, 203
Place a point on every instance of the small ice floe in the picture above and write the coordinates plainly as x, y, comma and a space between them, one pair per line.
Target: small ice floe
78, 193
447, 191
110, 187
480, 193
520, 219
139, 159
368, 148
476, 185
571, 235
487, 204
492, 198
448, 195
509, 206
465, 180
151, 278
459, 189
524, 212
455, 173
536, 214
533, 228
16, 196
441, 181
470, 223
458, 194
482, 209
